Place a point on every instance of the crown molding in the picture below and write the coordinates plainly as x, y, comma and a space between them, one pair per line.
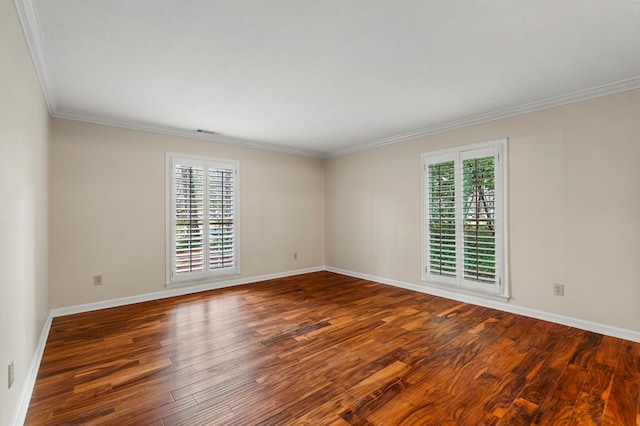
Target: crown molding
581, 95
30, 22
31, 27
171, 131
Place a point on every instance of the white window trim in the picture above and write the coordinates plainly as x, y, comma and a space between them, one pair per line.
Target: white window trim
502, 287
209, 276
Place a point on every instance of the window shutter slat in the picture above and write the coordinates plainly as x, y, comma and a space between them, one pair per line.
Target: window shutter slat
189, 218
479, 219
221, 215
203, 203
442, 226
465, 218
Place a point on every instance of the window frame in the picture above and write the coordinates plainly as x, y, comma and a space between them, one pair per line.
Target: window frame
499, 149
177, 280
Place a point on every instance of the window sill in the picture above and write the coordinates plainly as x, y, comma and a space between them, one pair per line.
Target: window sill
203, 281
446, 288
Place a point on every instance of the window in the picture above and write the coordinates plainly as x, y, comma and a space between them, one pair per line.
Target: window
464, 199
202, 218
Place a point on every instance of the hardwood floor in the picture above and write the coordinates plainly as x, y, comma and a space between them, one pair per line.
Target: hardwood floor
325, 349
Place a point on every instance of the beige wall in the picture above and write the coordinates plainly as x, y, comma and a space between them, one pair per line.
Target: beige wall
24, 136
108, 210
574, 205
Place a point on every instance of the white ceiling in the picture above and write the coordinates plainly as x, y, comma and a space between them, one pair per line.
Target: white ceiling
325, 77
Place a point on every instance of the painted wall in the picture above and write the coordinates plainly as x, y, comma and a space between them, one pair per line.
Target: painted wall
574, 205
108, 210
24, 146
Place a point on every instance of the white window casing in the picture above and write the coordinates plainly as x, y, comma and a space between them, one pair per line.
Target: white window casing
464, 192
202, 218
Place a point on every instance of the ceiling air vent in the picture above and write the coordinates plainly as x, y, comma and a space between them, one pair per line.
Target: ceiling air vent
206, 132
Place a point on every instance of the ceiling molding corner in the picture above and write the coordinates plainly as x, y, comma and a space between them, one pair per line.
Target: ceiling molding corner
30, 22
581, 95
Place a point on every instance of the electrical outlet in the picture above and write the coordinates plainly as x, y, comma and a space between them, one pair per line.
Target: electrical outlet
558, 289
97, 280
11, 374
295, 256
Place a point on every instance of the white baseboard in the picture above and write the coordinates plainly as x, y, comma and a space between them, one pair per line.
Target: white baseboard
608, 330
467, 298
58, 312
32, 373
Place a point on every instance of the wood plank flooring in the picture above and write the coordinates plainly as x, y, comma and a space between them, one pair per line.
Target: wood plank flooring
326, 349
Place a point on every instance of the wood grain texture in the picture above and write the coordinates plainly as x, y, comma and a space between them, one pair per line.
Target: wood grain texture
326, 349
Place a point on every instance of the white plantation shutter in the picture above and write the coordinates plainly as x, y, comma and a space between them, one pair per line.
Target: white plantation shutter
465, 219
221, 218
442, 219
478, 210
202, 212
189, 218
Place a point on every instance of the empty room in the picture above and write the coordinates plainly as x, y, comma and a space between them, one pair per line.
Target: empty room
320, 212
